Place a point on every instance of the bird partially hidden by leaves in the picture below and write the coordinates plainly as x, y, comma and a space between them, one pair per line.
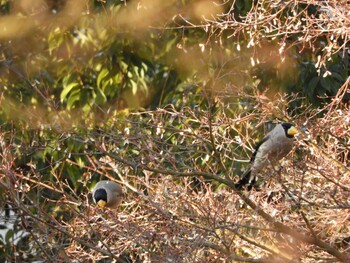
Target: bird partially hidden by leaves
107, 194
272, 148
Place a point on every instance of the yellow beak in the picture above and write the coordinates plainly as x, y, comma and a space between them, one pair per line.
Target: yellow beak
292, 131
101, 203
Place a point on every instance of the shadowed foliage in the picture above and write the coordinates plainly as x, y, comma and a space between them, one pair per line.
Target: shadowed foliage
169, 98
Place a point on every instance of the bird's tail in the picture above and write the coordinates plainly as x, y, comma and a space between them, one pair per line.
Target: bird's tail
246, 179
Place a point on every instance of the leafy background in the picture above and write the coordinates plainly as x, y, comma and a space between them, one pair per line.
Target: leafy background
169, 98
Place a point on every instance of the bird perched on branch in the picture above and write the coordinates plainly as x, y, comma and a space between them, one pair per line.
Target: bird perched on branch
272, 148
107, 194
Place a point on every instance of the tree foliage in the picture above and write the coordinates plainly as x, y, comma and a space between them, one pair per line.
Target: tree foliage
168, 98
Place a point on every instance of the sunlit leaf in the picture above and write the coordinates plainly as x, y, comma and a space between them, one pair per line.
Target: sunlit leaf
9, 235
100, 96
74, 97
103, 73
133, 87
67, 89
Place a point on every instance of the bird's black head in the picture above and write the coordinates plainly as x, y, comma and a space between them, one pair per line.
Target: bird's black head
289, 129
100, 194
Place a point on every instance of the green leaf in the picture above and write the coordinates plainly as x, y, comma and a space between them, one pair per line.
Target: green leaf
100, 96
133, 87
86, 108
73, 173
313, 84
338, 77
75, 96
104, 72
9, 234
67, 89
326, 84
170, 44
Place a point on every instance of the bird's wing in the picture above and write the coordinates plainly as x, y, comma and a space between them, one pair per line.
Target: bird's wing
256, 149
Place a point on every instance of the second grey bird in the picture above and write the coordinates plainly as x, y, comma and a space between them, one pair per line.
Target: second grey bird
107, 194
272, 148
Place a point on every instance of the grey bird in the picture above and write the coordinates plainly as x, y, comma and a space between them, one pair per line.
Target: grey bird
272, 148
107, 194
